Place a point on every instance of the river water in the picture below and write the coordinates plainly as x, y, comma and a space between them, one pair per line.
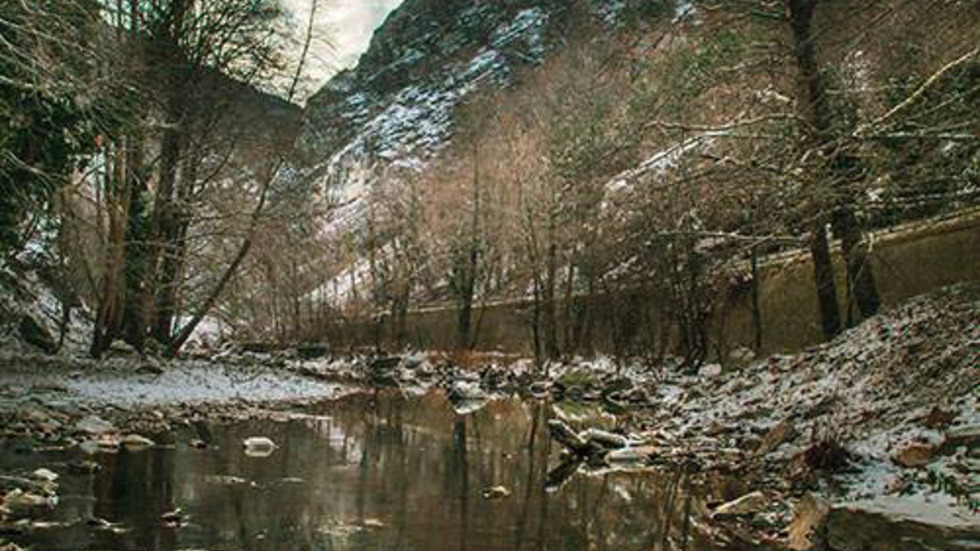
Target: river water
370, 471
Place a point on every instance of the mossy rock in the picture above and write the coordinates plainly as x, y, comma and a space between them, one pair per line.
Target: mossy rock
579, 378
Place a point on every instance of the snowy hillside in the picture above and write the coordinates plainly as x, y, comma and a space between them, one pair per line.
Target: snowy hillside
397, 107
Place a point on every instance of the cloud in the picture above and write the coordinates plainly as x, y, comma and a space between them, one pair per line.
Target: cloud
343, 32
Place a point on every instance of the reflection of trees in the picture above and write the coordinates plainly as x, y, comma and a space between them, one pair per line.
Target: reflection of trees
410, 462
529, 485
460, 464
136, 488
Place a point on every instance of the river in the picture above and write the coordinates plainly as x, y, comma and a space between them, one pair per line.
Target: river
371, 470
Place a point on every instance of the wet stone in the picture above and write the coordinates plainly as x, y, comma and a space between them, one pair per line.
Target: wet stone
94, 425
259, 446
916, 455
135, 442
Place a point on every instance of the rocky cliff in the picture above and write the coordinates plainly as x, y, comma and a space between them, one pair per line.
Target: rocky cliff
397, 107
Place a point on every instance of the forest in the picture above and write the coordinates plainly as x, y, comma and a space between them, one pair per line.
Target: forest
669, 274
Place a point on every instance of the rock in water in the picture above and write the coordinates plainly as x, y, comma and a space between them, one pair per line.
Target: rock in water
496, 492
259, 446
463, 390
45, 475
898, 524
467, 397
135, 443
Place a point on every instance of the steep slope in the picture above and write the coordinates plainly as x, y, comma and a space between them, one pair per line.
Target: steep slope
398, 106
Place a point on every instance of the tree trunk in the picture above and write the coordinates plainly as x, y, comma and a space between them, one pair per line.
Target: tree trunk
109, 318
861, 283
464, 320
468, 285
823, 274
550, 308
862, 292
756, 306
172, 269
567, 309
136, 245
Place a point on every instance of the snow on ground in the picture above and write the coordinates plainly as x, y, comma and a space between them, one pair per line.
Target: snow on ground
121, 384
906, 377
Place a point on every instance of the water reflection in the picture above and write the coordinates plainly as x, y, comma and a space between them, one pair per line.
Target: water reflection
373, 471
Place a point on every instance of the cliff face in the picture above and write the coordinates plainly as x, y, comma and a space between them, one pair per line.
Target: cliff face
398, 106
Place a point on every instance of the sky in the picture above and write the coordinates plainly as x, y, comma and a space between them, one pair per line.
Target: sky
343, 30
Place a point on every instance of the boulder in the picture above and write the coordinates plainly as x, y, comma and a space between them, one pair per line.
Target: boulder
916, 455
899, 524
808, 518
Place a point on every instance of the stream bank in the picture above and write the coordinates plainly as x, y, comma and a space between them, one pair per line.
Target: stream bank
877, 430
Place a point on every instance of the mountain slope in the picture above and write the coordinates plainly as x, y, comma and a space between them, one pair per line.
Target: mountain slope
398, 106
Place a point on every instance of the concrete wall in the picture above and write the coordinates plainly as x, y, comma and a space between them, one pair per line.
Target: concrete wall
908, 262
